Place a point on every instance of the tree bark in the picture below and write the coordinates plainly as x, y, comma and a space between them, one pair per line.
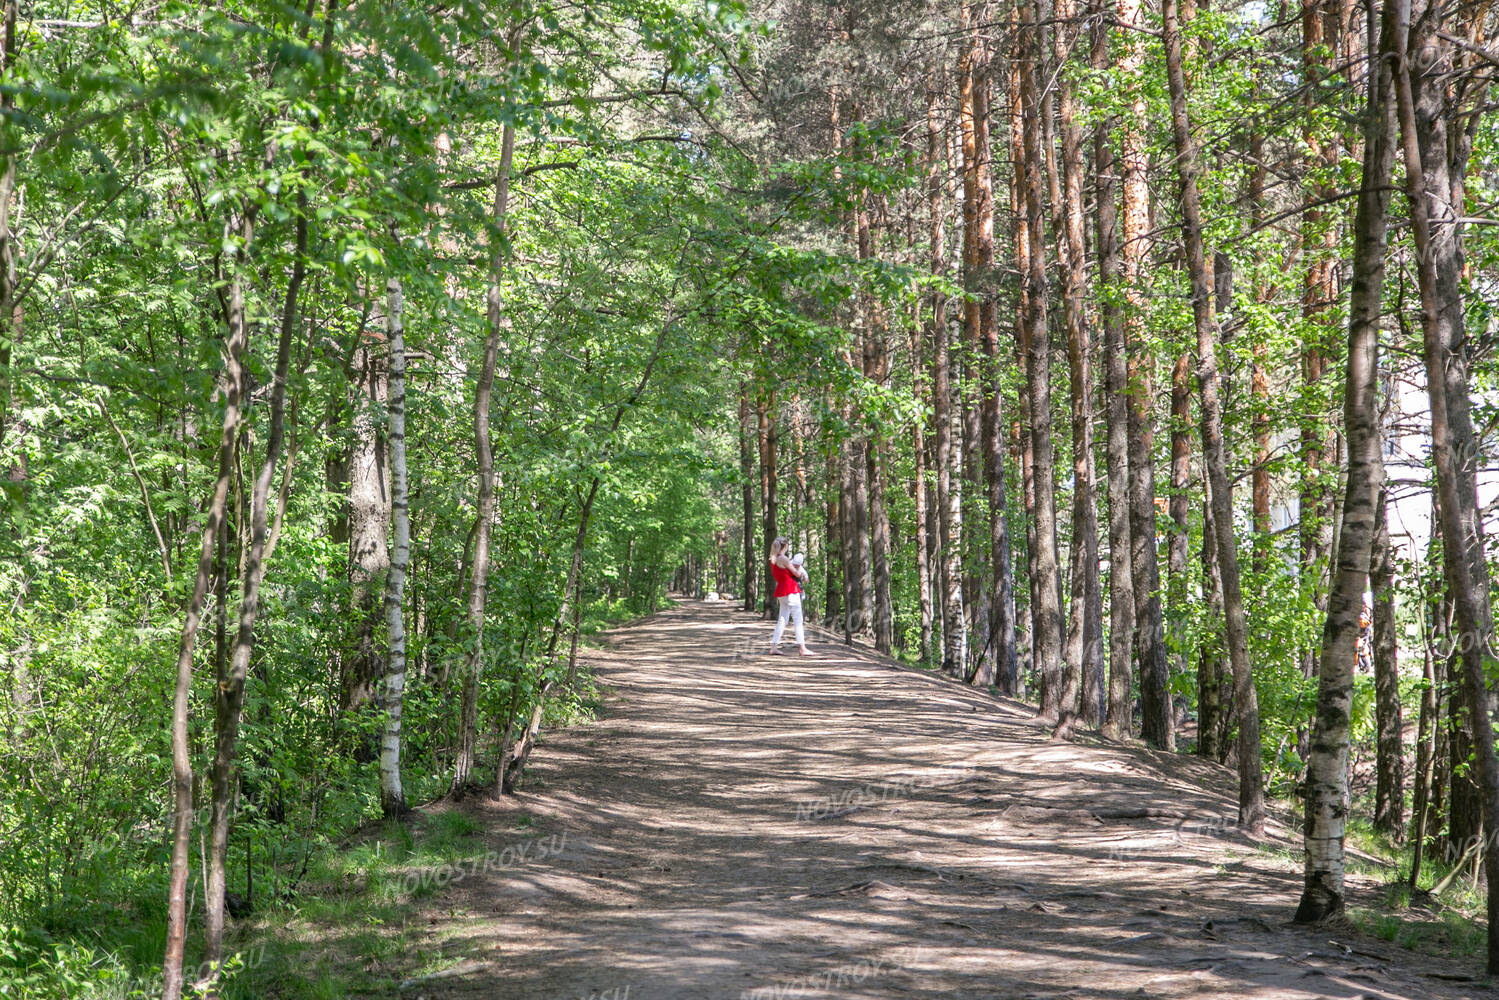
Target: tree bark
1118, 721
1046, 644
875, 361
1150, 649
921, 492
392, 795
949, 496
833, 587
765, 410
999, 639
1083, 656
747, 483
1326, 786
1178, 504
1435, 163
1214, 459
1212, 712
978, 305
369, 525
1389, 795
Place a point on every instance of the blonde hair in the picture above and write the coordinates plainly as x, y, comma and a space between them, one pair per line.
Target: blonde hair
781, 544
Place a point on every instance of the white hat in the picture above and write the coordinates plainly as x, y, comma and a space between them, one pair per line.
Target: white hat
798, 559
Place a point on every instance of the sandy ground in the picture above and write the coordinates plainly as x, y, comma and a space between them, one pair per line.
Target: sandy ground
738, 825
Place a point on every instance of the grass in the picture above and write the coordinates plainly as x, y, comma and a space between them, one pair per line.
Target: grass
1446, 926
352, 932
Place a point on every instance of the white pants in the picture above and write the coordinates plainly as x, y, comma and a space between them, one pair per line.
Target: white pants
791, 606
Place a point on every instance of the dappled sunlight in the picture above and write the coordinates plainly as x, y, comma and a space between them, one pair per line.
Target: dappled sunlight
736, 821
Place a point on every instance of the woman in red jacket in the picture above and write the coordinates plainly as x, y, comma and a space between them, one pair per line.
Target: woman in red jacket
788, 594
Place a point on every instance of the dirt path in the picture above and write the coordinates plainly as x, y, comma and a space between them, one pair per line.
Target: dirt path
740, 825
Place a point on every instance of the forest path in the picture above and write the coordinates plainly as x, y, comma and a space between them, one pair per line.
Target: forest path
741, 825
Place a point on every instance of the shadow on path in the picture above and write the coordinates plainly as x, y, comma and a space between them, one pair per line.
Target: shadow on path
743, 825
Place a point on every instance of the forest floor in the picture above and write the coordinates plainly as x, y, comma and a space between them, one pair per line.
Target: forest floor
736, 825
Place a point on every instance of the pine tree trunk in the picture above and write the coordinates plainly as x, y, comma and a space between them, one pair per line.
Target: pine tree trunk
1326, 786
392, 795
765, 410
747, 485
1178, 505
1214, 458
879, 548
921, 492
833, 529
1118, 721
1083, 656
1150, 649
999, 637
978, 247
1389, 795
1046, 643
875, 360
468, 720
949, 565
1021, 445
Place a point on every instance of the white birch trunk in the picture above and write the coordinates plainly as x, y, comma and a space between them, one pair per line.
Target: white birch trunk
392, 796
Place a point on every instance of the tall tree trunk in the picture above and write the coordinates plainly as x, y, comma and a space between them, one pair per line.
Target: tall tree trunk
747, 484
1327, 768
229, 693
978, 247
765, 409
1044, 565
369, 525
1047, 641
392, 795
876, 369
921, 493
1179, 504
1214, 459
1435, 165
1389, 795
1083, 655
879, 548
468, 726
1021, 443
999, 639
233, 384
949, 498
1211, 710
1118, 716
833, 587
1150, 648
